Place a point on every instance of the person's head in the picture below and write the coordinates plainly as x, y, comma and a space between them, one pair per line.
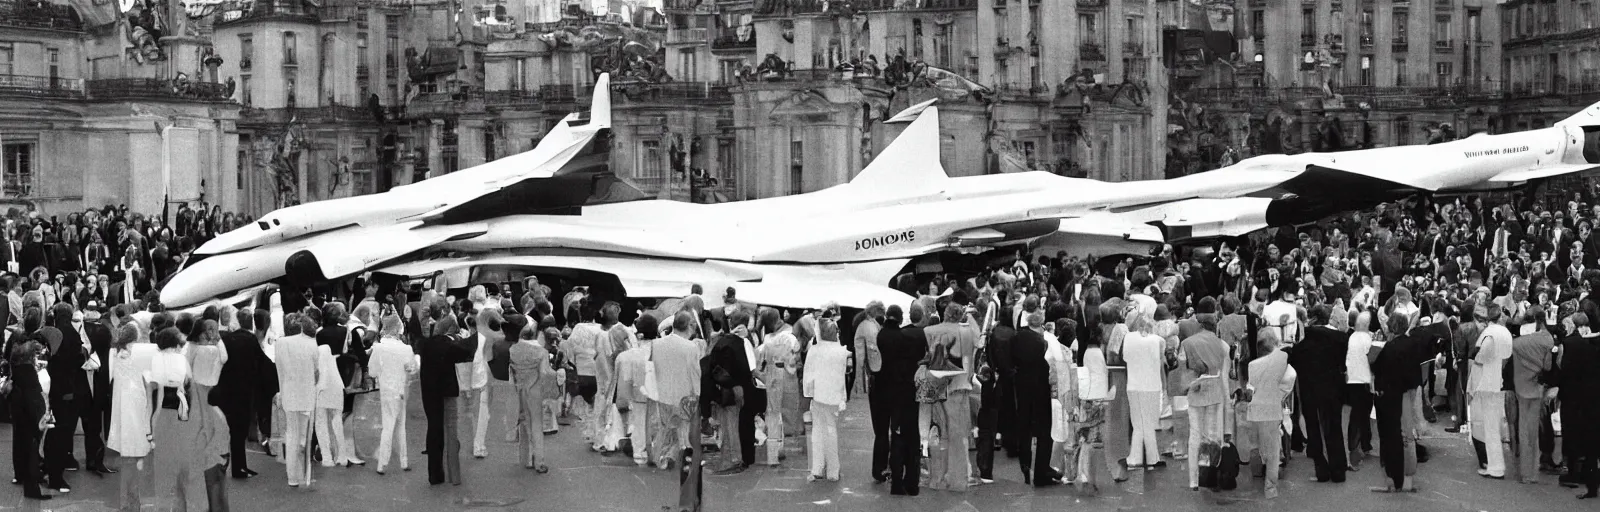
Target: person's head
207, 333
1267, 341
611, 311
648, 327
26, 353
875, 310
262, 319
168, 339
953, 313
828, 330
683, 323
1532, 315
244, 319
126, 335
916, 314
739, 323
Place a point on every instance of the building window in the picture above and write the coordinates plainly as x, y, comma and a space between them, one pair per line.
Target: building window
1475, 26
797, 167
1444, 70
686, 62
730, 70
727, 161
916, 39
1402, 131
55, 66
1308, 24
18, 162
1258, 23
247, 50
244, 90
1086, 29
242, 166
1366, 26
1402, 25
8, 54
943, 34
1366, 70
1441, 30
488, 145
289, 46
361, 50
1400, 72
650, 159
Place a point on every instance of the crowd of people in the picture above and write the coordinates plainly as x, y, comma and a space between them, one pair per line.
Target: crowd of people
1234, 355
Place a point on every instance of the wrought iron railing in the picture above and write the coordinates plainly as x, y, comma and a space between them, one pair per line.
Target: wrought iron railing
728, 38
822, 6
154, 88
38, 15
41, 86
676, 92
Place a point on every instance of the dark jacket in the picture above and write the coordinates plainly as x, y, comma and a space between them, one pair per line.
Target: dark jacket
727, 368
67, 378
440, 354
1315, 359
100, 342
27, 396
901, 348
1032, 382
241, 375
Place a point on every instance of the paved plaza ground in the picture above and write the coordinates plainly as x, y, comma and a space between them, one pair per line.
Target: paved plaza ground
582, 481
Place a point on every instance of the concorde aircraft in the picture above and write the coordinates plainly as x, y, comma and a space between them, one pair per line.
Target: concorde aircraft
1321, 184
845, 243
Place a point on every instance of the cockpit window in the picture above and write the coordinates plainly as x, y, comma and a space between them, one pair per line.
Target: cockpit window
264, 225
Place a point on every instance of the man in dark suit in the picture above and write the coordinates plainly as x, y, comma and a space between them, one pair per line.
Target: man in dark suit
1033, 403
1320, 384
69, 392
440, 353
901, 349
99, 335
731, 371
236, 387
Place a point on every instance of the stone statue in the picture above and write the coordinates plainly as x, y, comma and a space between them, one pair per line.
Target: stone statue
283, 164
228, 87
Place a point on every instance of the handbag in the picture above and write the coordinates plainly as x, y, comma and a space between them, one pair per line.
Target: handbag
1209, 461
1228, 467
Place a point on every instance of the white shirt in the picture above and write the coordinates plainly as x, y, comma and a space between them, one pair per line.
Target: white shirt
392, 364
1145, 361
1494, 347
1357, 369
1288, 332
750, 356
824, 377
169, 368
1095, 378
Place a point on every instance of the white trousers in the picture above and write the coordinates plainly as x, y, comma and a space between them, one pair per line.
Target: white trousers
394, 429
1487, 415
1144, 410
1205, 424
335, 445
824, 440
480, 414
639, 420
296, 424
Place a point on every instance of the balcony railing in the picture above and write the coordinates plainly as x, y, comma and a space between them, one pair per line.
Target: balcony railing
152, 88
339, 12
445, 103
1308, 40
557, 93
675, 92
823, 6
1444, 45
512, 99
1091, 51
1092, 3
1366, 41
1023, 91
1132, 48
729, 39
687, 36
40, 86
38, 15
275, 10
310, 115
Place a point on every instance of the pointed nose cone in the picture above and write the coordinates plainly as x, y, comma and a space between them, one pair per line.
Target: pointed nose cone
185, 288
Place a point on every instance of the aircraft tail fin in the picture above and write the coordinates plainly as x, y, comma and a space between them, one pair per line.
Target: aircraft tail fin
600, 108
1589, 116
912, 160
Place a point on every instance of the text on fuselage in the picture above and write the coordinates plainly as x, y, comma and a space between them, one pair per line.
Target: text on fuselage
1497, 151
886, 240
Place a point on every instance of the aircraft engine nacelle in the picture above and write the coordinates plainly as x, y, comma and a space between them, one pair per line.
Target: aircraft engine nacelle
356, 252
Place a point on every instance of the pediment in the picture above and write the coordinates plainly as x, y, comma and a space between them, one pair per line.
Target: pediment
803, 103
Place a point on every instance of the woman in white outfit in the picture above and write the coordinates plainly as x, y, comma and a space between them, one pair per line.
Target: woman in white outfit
1142, 351
130, 408
330, 407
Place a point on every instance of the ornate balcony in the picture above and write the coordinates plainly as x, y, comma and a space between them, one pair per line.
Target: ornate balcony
1444, 46
688, 36
40, 87
1091, 52
39, 15
677, 93
331, 114
732, 39
1092, 4
114, 89
274, 10
1132, 48
824, 7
